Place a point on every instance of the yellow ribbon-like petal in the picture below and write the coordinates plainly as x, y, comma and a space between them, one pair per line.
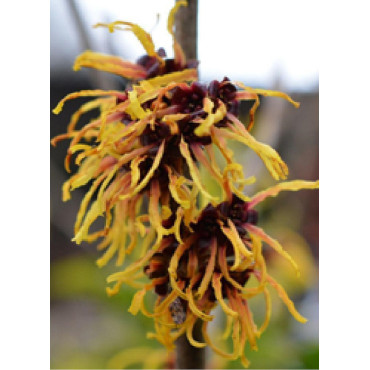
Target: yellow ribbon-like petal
84, 93
179, 53
216, 283
143, 36
272, 243
109, 63
288, 302
283, 186
194, 172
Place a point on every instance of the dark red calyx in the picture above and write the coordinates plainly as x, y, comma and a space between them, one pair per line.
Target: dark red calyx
226, 92
154, 67
190, 99
156, 136
158, 266
151, 65
187, 128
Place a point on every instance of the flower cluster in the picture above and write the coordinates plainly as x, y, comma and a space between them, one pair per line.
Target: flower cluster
142, 156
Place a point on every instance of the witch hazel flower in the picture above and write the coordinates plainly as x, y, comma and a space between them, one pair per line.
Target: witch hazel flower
142, 156
141, 147
221, 250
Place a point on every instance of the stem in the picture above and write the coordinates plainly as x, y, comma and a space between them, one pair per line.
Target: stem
186, 28
187, 356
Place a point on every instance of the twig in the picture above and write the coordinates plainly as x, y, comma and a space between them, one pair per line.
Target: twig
187, 356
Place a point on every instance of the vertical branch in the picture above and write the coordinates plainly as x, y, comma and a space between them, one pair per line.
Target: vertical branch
186, 28
187, 356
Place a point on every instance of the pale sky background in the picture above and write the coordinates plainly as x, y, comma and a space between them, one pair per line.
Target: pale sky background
251, 41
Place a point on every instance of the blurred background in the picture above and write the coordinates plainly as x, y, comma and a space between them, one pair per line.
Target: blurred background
262, 44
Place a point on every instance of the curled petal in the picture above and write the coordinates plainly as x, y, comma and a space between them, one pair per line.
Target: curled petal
246, 320
272, 243
195, 309
283, 186
216, 283
189, 75
258, 256
103, 103
238, 245
177, 189
252, 94
247, 95
115, 116
179, 53
133, 206
235, 336
224, 268
212, 118
120, 225
235, 238
250, 325
236, 171
154, 214
109, 63
288, 302
147, 242
209, 270
140, 263
137, 301
229, 234
273, 162
149, 175
84, 93
135, 171
94, 212
194, 172
134, 109
189, 334
263, 92
109, 253
201, 157
86, 201
172, 119
228, 328
177, 225
219, 140
172, 269
144, 37
268, 312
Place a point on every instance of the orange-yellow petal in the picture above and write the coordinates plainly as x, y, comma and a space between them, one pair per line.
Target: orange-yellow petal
283, 186
179, 53
84, 93
109, 63
288, 302
272, 243
143, 36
